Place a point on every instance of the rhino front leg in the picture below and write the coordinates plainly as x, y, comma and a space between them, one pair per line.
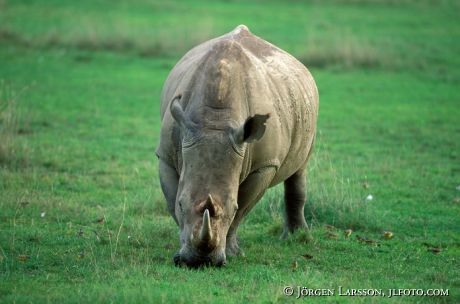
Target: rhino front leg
249, 193
169, 180
294, 200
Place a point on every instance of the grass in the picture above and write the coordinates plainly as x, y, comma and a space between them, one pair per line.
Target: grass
8, 131
82, 216
11, 153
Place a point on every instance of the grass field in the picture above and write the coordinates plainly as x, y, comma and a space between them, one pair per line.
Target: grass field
82, 216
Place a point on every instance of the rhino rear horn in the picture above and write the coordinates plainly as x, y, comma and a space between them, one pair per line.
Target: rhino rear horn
206, 232
215, 210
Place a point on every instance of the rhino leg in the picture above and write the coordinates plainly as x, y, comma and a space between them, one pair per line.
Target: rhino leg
169, 180
249, 193
294, 200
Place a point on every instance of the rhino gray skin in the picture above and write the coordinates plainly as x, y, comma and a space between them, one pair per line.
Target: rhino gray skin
238, 116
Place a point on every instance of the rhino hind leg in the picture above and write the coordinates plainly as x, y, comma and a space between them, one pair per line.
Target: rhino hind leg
169, 180
294, 200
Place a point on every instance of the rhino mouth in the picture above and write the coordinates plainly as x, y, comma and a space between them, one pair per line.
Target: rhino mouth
201, 250
198, 261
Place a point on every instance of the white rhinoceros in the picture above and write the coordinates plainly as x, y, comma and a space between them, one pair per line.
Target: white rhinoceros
238, 116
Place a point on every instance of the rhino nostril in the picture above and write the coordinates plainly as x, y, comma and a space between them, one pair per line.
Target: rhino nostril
222, 263
178, 260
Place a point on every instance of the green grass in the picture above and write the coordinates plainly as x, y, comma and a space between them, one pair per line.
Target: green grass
82, 216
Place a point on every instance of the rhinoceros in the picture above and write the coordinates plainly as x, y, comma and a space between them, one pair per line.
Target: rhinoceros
238, 116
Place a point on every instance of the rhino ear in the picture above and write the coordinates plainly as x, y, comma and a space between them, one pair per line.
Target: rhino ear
252, 130
178, 113
176, 110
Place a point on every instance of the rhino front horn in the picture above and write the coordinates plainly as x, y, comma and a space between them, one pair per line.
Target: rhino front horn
206, 232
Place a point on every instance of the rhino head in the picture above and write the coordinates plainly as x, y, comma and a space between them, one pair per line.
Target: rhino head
206, 200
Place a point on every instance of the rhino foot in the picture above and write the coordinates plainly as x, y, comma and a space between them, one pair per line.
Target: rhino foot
232, 248
301, 234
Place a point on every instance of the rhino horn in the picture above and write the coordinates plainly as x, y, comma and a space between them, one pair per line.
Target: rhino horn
206, 232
